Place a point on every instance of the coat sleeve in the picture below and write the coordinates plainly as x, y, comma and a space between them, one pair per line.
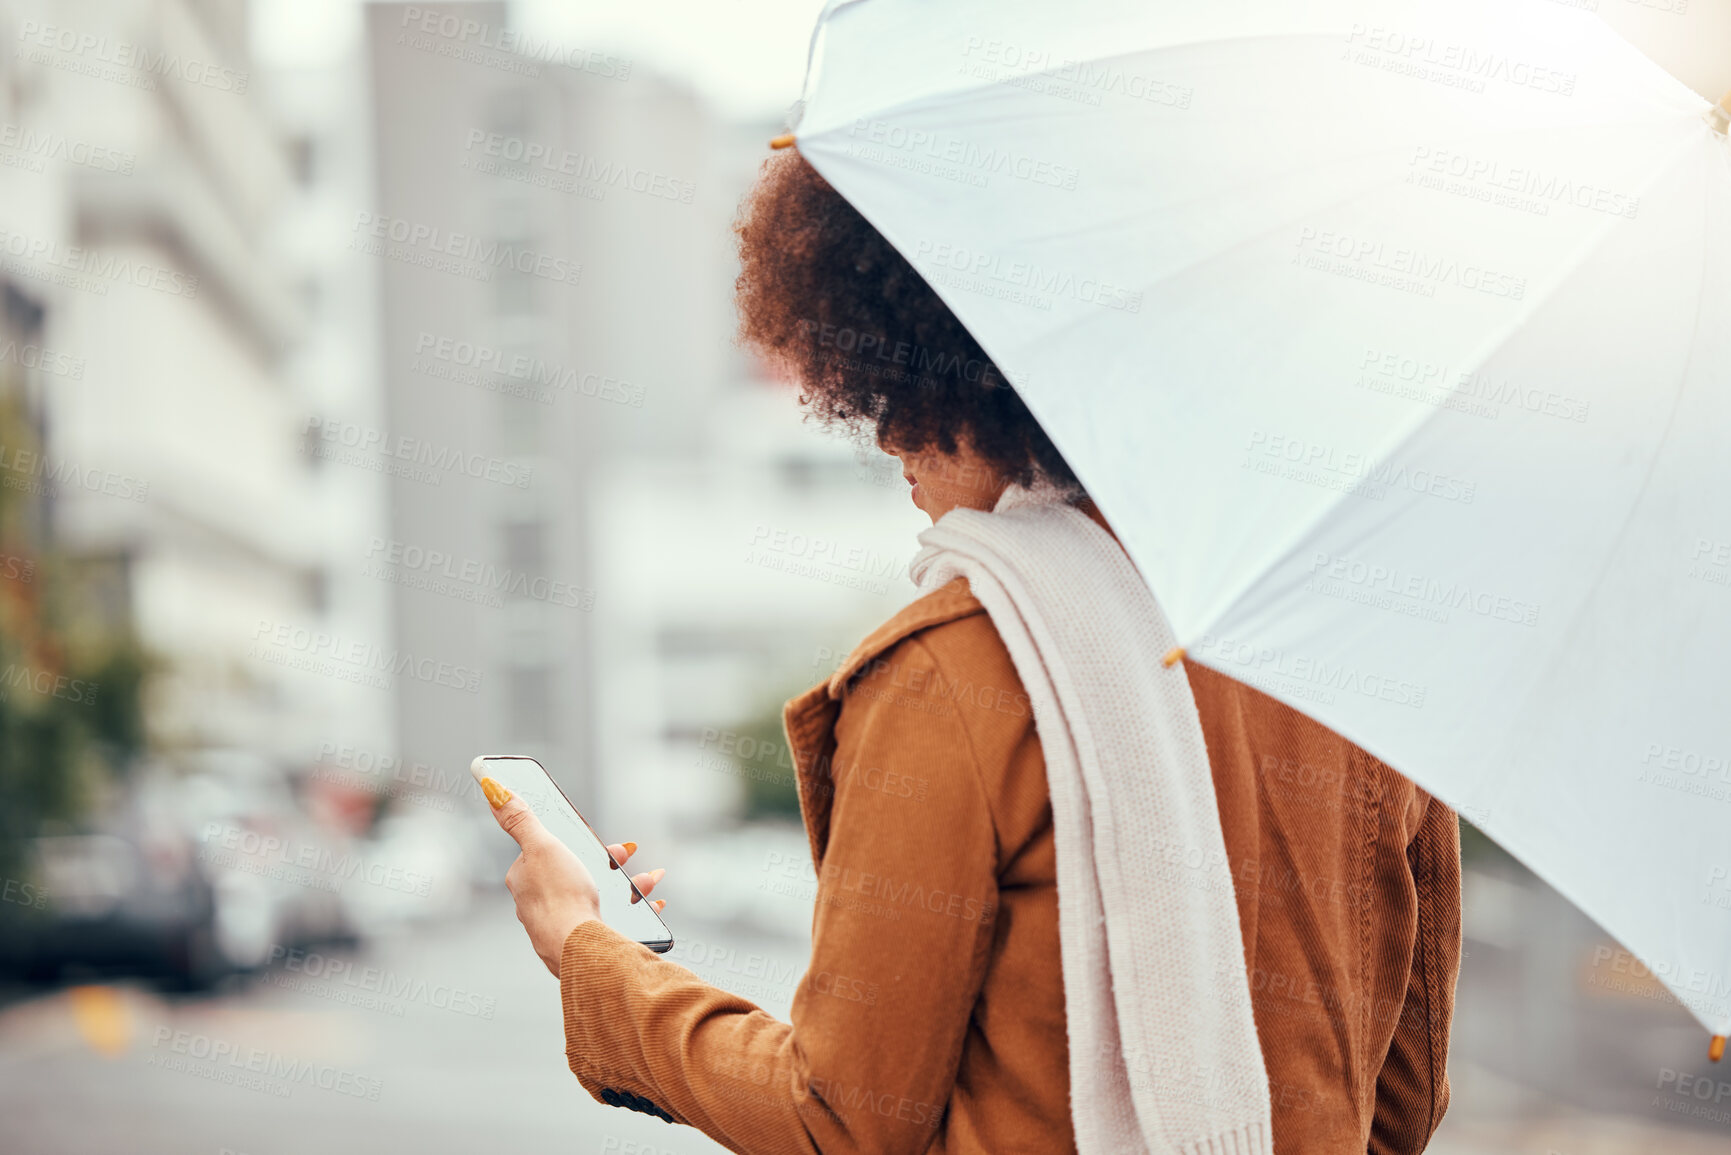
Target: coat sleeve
901, 935
1412, 1089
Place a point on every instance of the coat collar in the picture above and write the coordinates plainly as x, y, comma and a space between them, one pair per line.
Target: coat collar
809, 719
946, 603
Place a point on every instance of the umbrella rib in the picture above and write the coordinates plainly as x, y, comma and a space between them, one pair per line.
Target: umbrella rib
1405, 437
1647, 477
1474, 132
948, 94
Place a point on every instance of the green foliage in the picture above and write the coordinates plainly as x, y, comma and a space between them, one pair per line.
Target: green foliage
71, 718
1480, 852
765, 766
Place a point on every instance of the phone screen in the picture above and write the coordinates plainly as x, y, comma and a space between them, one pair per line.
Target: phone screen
528, 780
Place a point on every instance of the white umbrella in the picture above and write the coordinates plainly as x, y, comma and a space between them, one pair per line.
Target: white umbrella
1394, 339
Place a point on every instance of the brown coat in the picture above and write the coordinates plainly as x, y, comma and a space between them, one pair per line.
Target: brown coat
932, 1015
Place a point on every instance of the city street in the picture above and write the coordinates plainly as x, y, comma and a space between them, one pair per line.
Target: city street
446, 1039
108, 1070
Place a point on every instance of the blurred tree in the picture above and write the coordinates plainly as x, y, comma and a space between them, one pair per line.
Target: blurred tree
70, 713
1480, 852
765, 766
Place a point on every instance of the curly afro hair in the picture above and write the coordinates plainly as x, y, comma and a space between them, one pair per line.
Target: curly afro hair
824, 297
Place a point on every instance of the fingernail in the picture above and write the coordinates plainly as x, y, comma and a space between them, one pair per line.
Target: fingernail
659, 903
630, 849
496, 794
655, 875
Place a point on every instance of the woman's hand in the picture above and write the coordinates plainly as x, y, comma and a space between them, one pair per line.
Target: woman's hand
554, 891
621, 852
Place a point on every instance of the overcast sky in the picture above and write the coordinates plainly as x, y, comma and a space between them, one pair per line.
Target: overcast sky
747, 57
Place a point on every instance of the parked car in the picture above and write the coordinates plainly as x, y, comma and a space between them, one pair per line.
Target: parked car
185, 877
122, 895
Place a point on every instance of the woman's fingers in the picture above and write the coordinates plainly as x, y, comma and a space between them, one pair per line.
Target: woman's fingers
621, 853
647, 880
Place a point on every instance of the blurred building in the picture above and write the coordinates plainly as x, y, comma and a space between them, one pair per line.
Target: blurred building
143, 186
552, 227
334, 373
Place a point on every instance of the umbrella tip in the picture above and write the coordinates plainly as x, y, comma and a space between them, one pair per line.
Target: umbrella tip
1716, 1049
1719, 116
785, 140
1173, 656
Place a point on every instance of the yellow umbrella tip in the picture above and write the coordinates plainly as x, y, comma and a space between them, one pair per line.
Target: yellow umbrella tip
785, 140
1173, 656
1716, 1049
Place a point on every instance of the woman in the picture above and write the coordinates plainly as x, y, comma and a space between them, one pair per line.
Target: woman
932, 1017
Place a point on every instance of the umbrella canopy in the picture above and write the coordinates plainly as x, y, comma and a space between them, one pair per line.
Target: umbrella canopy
1394, 340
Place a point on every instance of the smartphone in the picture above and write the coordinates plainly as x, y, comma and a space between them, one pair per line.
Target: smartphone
529, 780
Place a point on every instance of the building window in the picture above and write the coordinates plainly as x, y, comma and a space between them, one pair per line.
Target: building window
303, 159
526, 548
520, 425
529, 710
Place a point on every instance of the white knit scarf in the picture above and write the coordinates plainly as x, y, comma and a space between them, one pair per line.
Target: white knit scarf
1163, 1050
